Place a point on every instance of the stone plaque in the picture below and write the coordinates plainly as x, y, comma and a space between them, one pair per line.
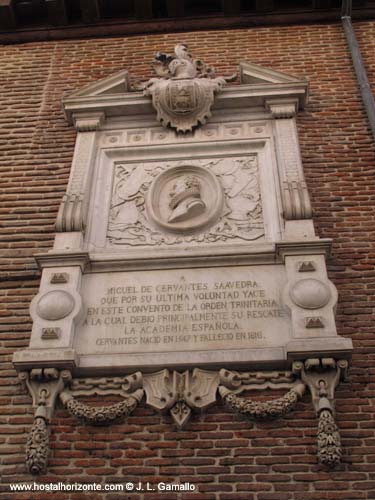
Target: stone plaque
183, 310
184, 250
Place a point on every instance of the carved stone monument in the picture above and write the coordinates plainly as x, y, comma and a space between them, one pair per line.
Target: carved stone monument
185, 265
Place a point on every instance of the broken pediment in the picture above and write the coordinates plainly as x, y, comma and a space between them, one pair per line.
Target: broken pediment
117, 83
254, 74
113, 96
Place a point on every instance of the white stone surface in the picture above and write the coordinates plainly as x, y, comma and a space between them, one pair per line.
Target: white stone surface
54, 305
183, 311
243, 171
57, 306
311, 298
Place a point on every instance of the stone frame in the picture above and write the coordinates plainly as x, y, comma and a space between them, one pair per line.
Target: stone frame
113, 124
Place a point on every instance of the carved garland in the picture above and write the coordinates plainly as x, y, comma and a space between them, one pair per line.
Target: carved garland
262, 410
181, 393
102, 415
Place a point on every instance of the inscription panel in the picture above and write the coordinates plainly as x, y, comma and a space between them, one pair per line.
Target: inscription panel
183, 310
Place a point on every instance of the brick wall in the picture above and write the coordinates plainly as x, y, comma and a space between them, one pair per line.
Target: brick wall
227, 458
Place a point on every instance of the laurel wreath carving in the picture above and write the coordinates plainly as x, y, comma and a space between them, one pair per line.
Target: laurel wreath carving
329, 443
101, 415
265, 410
37, 447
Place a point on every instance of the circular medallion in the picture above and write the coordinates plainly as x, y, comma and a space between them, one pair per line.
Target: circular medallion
310, 294
185, 199
55, 305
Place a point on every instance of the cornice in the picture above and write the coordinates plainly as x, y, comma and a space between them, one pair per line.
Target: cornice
231, 97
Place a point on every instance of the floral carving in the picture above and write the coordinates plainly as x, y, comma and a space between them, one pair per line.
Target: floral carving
101, 415
181, 412
37, 447
329, 443
256, 410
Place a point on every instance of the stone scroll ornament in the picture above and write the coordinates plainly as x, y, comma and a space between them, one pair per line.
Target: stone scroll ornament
182, 393
185, 91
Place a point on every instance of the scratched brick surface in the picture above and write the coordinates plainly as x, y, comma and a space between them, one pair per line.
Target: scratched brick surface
224, 456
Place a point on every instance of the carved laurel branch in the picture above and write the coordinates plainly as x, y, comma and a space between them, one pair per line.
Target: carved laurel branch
101, 415
329, 443
255, 410
37, 447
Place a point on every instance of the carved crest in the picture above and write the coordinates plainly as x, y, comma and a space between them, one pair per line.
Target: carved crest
184, 94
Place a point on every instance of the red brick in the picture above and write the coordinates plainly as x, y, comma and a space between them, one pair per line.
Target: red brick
227, 457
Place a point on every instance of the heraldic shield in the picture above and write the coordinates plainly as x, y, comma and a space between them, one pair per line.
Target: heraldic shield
183, 104
184, 94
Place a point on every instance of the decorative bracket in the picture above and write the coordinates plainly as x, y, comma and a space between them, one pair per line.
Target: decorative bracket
70, 215
44, 386
322, 377
88, 122
282, 108
296, 200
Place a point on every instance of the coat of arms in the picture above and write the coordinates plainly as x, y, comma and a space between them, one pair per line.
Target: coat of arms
185, 91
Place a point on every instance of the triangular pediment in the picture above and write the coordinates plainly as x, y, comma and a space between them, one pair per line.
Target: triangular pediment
113, 84
112, 96
119, 82
253, 74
